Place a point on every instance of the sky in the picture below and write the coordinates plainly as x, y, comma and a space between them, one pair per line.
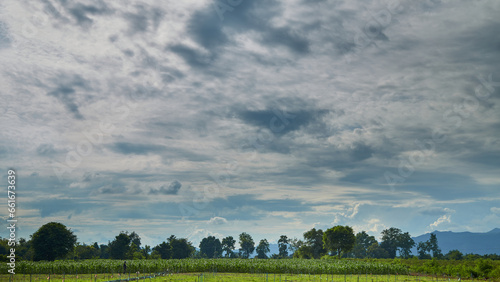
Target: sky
204, 117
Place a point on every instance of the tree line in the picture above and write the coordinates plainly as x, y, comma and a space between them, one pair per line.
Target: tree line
55, 241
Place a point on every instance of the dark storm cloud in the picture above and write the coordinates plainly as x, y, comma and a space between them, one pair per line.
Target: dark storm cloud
82, 13
286, 37
265, 119
167, 153
193, 57
172, 189
212, 34
206, 29
66, 92
285, 115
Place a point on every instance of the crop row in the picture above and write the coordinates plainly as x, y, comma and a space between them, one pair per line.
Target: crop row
295, 266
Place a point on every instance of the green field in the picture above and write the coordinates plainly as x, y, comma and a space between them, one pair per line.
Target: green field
229, 277
295, 266
346, 270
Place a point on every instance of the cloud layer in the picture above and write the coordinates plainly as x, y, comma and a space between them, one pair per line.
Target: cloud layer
267, 117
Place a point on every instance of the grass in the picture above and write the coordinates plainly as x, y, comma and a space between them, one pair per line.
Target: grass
233, 277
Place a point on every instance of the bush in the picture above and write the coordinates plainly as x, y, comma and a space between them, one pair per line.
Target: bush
484, 267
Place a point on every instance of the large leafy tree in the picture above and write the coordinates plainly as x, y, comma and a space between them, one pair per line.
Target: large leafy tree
405, 243
120, 246
314, 242
390, 241
262, 249
394, 239
125, 246
52, 240
375, 251
339, 239
247, 245
228, 246
283, 246
211, 247
181, 248
363, 242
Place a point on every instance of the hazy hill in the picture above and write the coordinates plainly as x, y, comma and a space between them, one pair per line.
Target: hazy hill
465, 242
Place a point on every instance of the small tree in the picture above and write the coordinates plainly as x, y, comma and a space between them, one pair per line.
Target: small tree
283, 246
228, 246
433, 245
454, 255
339, 239
247, 245
423, 249
262, 249
52, 240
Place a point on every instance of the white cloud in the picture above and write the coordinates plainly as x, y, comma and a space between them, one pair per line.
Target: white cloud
440, 221
190, 96
495, 210
217, 221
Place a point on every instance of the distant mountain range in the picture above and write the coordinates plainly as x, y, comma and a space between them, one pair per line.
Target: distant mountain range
465, 242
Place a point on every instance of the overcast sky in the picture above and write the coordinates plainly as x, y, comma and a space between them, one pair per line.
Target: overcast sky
270, 117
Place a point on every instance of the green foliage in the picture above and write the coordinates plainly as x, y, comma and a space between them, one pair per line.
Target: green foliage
297, 266
262, 249
339, 239
119, 247
363, 242
454, 255
283, 246
181, 248
314, 243
228, 246
425, 248
394, 239
484, 268
211, 247
247, 245
51, 241
84, 252
376, 251
164, 250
